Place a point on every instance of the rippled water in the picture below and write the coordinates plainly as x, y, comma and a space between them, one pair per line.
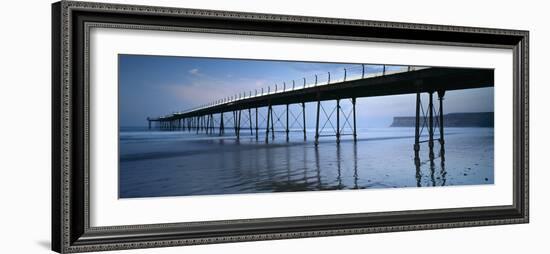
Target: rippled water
161, 163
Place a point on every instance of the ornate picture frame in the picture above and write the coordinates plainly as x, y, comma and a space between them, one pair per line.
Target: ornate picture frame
71, 229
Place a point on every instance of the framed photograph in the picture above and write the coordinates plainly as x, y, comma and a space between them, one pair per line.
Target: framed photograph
181, 126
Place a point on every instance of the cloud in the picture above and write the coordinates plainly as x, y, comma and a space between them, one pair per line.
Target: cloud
195, 72
208, 89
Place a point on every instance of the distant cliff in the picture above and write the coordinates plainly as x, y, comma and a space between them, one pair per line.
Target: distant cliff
481, 119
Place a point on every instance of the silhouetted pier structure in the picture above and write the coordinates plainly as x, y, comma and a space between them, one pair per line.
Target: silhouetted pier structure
352, 83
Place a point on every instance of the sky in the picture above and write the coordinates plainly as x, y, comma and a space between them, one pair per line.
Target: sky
151, 86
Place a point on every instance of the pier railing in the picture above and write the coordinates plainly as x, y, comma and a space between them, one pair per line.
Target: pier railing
336, 76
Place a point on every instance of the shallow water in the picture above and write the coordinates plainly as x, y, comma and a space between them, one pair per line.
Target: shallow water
162, 163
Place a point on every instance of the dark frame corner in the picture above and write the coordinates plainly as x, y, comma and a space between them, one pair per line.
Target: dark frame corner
70, 229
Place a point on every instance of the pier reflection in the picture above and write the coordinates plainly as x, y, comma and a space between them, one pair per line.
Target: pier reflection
431, 167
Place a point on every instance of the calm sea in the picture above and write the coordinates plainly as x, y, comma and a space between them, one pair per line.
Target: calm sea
178, 163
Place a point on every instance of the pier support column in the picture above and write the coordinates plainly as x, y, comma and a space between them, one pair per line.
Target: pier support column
256, 122
221, 124
198, 124
267, 128
417, 130
304, 118
250, 121
203, 123
149, 121
212, 127
239, 125
207, 124
338, 121
287, 123
235, 122
317, 120
210, 124
431, 127
213, 124
272, 124
440, 95
353, 100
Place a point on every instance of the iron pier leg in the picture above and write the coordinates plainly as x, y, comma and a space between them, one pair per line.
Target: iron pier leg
338, 121
272, 124
198, 124
440, 94
239, 125
250, 121
267, 128
221, 124
287, 123
256, 124
207, 124
235, 122
417, 130
317, 121
149, 123
353, 100
431, 129
304, 118
212, 127
211, 124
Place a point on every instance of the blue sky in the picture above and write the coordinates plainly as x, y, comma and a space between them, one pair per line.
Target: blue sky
158, 85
